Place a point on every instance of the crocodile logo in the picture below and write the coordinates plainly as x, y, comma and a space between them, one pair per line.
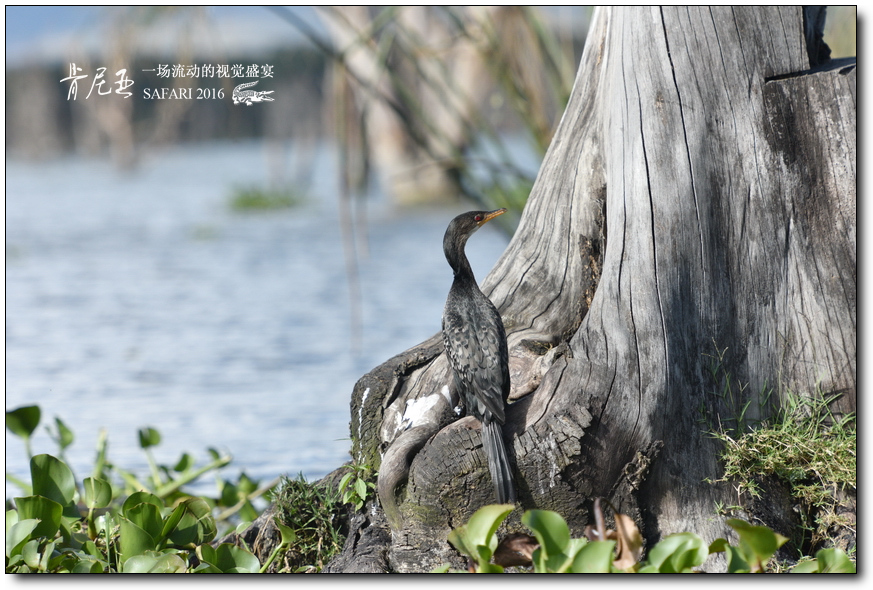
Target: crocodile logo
240, 94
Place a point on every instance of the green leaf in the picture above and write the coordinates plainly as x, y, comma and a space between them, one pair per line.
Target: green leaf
46, 511
229, 494
46, 556
827, 561
288, 534
807, 567
230, 558
758, 543
30, 553
154, 563
718, 545
361, 488
141, 498
65, 435
134, 540
737, 563
87, 566
18, 533
98, 493
23, 421
172, 521
149, 437
185, 462
206, 552
196, 526
53, 479
479, 532
595, 557
552, 532
147, 517
677, 552
246, 484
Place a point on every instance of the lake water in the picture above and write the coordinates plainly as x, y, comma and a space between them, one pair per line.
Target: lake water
139, 298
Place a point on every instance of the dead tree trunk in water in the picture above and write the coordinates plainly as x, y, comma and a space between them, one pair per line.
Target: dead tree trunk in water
699, 195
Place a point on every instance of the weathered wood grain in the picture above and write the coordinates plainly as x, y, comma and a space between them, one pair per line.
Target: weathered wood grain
698, 199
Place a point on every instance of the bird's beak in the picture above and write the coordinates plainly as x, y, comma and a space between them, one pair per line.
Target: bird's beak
491, 215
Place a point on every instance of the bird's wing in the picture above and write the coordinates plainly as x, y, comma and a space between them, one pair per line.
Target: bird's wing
477, 353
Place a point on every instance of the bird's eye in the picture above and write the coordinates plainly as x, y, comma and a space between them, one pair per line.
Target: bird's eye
478, 218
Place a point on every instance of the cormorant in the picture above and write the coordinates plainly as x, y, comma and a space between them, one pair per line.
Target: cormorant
475, 342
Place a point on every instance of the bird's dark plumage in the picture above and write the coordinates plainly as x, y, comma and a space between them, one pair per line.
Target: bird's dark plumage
475, 342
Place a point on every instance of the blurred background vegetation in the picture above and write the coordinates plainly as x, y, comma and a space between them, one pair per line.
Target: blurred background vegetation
418, 99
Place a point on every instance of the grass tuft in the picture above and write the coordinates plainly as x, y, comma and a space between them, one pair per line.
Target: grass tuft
806, 446
316, 514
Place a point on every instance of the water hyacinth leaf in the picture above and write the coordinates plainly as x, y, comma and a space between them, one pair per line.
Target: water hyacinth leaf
134, 540
184, 464
206, 553
484, 522
478, 534
229, 494
46, 511
758, 543
668, 555
552, 532
23, 421
154, 563
98, 493
691, 555
149, 437
737, 563
87, 566
141, 498
233, 559
11, 519
30, 553
147, 517
18, 534
247, 485
65, 436
827, 561
196, 526
595, 557
47, 556
172, 521
549, 528
834, 561
719, 545
52, 479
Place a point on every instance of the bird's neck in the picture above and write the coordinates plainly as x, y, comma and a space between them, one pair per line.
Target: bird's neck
460, 265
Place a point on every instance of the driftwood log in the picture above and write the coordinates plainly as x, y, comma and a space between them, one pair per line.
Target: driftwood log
698, 199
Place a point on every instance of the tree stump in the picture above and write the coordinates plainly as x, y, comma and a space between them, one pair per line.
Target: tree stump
697, 200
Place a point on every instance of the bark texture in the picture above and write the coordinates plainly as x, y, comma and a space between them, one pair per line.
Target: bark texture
699, 195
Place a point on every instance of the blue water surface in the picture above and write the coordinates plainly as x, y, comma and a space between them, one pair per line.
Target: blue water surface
140, 298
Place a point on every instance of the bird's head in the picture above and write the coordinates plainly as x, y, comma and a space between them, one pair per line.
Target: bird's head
461, 228
467, 223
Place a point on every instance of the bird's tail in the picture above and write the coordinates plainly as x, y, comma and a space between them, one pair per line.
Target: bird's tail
498, 462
